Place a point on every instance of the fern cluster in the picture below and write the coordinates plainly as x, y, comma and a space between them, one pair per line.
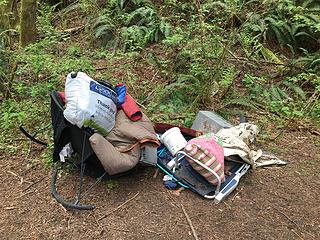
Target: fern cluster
289, 23
130, 24
289, 97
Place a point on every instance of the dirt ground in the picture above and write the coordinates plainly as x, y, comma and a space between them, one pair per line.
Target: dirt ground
269, 203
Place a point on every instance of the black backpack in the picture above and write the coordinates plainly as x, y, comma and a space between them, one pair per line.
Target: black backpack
64, 133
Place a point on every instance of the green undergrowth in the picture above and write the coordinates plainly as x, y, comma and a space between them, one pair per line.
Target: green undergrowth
235, 57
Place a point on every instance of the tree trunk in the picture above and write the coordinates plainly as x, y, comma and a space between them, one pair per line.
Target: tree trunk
28, 17
9, 15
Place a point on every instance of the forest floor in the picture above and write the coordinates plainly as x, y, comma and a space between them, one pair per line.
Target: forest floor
269, 203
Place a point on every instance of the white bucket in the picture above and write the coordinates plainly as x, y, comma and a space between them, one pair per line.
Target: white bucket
173, 140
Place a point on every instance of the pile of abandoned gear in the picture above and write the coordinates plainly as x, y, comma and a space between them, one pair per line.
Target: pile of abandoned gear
105, 128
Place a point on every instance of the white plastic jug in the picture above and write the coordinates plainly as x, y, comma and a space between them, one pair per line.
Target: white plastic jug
173, 140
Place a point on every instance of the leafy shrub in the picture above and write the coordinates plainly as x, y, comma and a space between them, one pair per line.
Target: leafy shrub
45, 27
295, 96
11, 114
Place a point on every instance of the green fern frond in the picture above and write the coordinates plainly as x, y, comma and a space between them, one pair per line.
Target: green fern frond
141, 16
244, 102
275, 25
266, 94
310, 3
284, 95
303, 34
104, 31
188, 79
74, 7
315, 63
294, 29
164, 27
102, 20
298, 91
227, 76
275, 93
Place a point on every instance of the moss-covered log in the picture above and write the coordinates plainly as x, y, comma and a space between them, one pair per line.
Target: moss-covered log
28, 17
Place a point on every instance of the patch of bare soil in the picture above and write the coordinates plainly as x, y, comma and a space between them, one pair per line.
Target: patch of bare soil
271, 203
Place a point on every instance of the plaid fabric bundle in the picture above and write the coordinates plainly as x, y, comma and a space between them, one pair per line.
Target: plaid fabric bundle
209, 152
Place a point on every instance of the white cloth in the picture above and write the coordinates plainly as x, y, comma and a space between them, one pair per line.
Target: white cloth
239, 141
65, 152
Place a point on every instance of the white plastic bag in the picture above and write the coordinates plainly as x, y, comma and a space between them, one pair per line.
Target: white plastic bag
90, 103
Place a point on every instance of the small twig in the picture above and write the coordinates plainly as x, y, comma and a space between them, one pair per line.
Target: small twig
120, 206
62, 207
297, 234
75, 29
190, 223
173, 201
156, 172
20, 178
152, 92
14, 174
32, 184
315, 132
150, 231
95, 219
26, 193
21, 139
154, 76
236, 194
87, 234
118, 229
182, 224
69, 220
10, 208
228, 206
149, 95
288, 123
38, 230
141, 105
287, 217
